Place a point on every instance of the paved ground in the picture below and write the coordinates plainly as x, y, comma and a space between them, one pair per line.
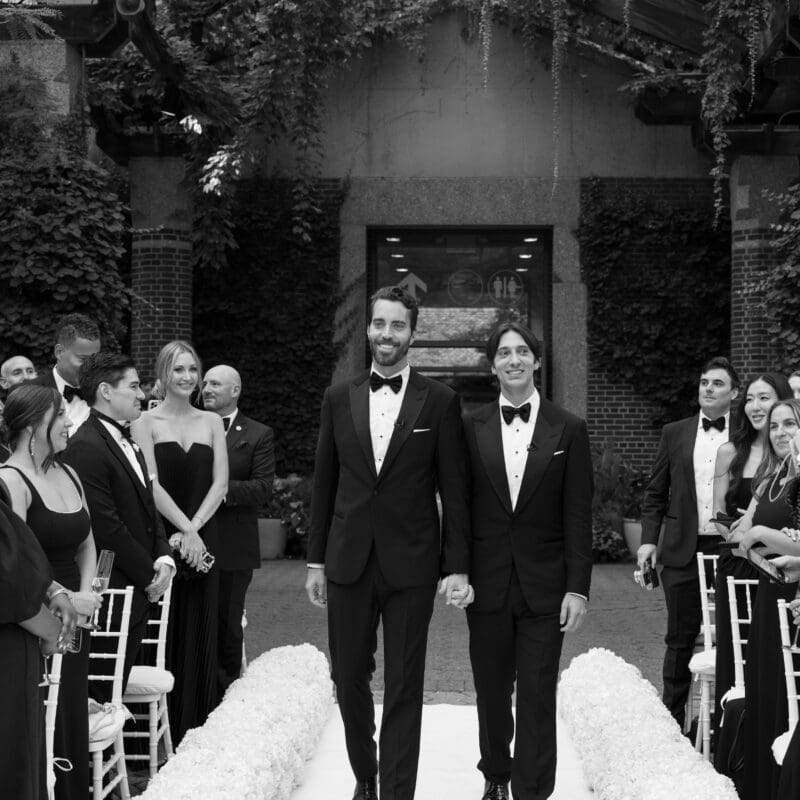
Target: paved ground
622, 617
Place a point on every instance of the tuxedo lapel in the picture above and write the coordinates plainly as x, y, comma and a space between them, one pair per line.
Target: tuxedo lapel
490, 446
688, 437
236, 432
546, 436
116, 451
359, 410
413, 401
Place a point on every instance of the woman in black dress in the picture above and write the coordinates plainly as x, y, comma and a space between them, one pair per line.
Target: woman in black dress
48, 496
736, 464
185, 450
25, 621
769, 513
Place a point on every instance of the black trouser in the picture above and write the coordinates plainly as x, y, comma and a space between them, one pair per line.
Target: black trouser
504, 645
354, 611
233, 584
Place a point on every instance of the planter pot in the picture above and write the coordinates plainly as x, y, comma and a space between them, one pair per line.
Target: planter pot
632, 531
271, 538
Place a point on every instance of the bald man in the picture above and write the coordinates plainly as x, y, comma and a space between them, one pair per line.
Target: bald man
252, 470
15, 370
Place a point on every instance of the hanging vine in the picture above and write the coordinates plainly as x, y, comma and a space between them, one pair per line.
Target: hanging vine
560, 37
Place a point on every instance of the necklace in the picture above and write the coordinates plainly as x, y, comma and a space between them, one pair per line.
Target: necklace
784, 464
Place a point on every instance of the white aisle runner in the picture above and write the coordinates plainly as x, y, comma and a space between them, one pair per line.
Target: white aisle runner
448, 755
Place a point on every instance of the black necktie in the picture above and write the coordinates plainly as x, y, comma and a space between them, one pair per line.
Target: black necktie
125, 430
718, 423
70, 392
226, 423
376, 381
509, 412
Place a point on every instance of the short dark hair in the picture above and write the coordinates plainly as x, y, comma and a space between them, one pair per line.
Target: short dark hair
76, 326
397, 294
102, 368
27, 404
720, 362
509, 326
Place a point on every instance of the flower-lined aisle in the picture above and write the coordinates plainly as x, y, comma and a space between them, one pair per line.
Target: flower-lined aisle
256, 742
629, 745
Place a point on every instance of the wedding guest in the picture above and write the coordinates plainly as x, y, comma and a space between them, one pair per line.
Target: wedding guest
794, 382
185, 451
16, 369
531, 563
768, 514
119, 494
680, 494
389, 439
736, 463
25, 622
251, 467
77, 338
49, 497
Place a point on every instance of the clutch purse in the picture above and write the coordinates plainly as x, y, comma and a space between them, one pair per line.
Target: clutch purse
187, 572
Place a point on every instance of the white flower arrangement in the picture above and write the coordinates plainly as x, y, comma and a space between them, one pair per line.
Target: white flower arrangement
630, 746
255, 743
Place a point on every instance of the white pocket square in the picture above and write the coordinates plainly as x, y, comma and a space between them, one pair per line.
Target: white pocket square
559, 452
420, 430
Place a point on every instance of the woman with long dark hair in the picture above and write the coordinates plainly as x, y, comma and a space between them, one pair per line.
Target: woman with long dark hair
185, 451
49, 497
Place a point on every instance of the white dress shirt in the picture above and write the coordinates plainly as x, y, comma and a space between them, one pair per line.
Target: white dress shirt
704, 458
516, 439
77, 408
384, 408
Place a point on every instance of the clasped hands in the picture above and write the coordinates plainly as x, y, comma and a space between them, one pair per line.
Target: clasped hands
457, 590
189, 544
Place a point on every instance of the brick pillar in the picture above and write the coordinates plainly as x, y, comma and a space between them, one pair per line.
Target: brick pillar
752, 256
161, 265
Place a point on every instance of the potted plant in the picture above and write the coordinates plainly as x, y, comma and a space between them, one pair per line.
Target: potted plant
284, 529
609, 503
634, 482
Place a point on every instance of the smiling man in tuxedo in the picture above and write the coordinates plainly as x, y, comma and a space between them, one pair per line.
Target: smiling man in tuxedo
680, 493
119, 494
389, 439
251, 462
531, 494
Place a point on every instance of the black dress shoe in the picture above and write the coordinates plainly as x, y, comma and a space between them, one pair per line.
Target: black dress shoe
366, 790
495, 791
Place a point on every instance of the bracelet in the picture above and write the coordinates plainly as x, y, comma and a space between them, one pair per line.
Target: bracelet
59, 591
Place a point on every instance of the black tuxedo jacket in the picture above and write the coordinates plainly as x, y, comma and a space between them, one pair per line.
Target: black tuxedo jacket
46, 378
547, 536
123, 513
353, 509
671, 495
251, 463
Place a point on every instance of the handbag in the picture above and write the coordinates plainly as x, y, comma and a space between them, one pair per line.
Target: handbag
187, 572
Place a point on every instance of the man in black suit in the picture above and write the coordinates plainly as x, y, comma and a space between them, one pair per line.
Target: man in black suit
389, 439
77, 338
251, 464
119, 494
531, 495
680, 494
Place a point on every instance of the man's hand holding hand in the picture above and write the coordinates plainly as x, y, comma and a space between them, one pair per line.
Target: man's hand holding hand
316, 587
456, 589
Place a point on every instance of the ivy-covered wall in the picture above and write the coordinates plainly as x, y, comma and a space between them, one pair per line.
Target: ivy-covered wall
658, 279
270, 314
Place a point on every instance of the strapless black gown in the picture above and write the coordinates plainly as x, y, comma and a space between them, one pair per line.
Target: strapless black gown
191, 654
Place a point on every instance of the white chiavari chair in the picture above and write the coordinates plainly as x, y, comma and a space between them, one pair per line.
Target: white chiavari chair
52, 677
791, 671
740, 603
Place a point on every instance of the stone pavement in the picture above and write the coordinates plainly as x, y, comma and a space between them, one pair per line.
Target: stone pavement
622, 617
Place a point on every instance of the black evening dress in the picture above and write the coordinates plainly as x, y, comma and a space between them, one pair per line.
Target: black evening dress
736, 567
24, 578
186, 475
766, 715
60, 535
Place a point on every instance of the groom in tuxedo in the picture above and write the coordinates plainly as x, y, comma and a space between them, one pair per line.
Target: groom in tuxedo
531, 494
119, 495
680, 493
389, 440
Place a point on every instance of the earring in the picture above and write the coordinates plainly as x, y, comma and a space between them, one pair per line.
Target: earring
31, 446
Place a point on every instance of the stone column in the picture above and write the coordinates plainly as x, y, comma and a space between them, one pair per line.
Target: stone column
752, 255
161, 257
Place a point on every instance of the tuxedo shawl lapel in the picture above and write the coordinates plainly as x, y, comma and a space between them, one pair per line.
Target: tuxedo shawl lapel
546, 436
688, 437
116, 451
489, 438
413, 401
359, 410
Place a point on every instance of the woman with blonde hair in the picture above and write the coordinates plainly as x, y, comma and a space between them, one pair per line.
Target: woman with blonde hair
186, 455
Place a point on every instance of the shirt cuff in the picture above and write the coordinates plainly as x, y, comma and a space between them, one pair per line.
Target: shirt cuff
168, 560
578, 594
315, 566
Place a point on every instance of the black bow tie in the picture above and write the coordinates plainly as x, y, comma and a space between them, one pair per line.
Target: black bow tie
509, 412
226, 422
718, 423
125, 430
70, 392
395, 383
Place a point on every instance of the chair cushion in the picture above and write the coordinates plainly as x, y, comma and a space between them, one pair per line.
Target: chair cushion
148, 680
105, 721
703, 663
780, 745
734, 693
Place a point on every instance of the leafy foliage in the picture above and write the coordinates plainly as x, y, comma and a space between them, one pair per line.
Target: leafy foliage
653, 275
275, 306
291, 504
